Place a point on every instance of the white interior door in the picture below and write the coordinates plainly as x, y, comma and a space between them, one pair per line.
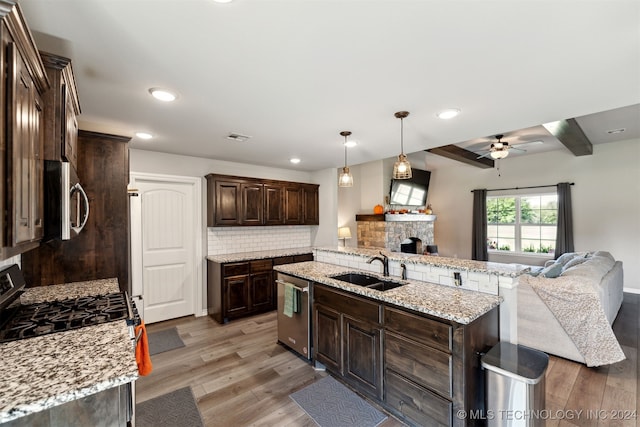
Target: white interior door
164, 246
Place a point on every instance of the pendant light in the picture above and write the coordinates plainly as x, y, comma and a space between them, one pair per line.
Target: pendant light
402, 168
345, 179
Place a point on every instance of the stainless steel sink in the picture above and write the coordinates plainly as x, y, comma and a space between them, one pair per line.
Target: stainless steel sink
367, 281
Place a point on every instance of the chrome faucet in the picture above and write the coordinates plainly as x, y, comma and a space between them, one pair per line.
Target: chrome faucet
403, 267
384, 260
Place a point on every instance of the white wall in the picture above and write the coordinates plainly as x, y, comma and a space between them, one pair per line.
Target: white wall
348, 204
606, 199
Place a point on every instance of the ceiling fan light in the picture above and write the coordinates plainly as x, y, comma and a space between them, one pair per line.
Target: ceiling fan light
499, 154
402, 168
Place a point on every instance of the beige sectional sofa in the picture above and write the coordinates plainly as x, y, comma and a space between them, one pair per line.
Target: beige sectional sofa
583, 331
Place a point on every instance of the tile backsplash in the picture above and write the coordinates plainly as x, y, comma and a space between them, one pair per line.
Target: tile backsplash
10, 261
229, 240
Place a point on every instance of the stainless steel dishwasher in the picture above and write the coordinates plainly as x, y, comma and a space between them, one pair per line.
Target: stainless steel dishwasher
295, 331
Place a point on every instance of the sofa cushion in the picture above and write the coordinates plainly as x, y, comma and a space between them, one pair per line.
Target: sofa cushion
592, 270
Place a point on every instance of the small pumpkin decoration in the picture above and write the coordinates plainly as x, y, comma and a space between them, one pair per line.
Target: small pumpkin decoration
378, 209
429, 210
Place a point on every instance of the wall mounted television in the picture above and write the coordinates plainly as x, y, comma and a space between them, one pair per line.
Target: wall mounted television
410, 192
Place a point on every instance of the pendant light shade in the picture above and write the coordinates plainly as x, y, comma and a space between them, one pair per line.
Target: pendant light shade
402, 168
345, 179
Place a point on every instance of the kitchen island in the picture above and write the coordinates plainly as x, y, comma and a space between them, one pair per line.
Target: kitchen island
52, 370
414, 349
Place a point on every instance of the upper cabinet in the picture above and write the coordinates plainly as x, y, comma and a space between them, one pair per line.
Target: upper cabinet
21, 138
62, 108
234, 201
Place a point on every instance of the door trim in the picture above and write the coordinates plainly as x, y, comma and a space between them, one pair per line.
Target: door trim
198, 293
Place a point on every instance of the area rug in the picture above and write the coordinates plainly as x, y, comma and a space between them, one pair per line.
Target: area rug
165, 340
175, 409
331, 404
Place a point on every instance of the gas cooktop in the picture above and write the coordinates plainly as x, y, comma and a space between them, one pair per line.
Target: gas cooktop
26, 321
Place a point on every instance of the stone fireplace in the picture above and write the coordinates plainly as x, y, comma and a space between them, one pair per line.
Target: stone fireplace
390, 230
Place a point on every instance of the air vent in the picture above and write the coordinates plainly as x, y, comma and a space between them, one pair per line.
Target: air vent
238, 137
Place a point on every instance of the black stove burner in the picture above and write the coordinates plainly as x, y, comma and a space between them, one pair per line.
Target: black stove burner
58, 316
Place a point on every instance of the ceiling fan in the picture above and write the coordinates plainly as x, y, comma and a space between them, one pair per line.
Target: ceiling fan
500, 149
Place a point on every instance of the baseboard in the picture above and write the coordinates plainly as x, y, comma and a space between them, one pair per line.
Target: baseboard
631, 290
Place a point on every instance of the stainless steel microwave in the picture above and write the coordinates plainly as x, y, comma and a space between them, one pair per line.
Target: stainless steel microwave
66, 205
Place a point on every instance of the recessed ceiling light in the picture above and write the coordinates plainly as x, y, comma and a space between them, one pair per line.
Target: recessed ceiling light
350, 143
294, 160
144, 135
162, 94
449, 113
614, 131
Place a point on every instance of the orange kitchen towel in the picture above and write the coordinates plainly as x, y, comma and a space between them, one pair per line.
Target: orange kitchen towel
143, 358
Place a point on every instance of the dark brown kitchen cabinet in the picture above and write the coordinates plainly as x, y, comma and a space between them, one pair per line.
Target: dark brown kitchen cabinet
273, 204
432, 366
62, 108
100, 251
348, 338
240, 201
21, 139
310, 206
239, 289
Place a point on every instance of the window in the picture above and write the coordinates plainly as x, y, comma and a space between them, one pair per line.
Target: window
522, 223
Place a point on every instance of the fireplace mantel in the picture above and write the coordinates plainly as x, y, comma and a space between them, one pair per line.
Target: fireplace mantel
397, 217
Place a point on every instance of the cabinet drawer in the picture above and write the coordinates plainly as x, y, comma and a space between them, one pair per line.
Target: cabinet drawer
347, 304
427, 331
235, 269
261, 265
424, 365
283, 260
303, 257
418, 404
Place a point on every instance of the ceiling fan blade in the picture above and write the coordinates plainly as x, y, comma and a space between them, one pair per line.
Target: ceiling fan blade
518, 149
484, 155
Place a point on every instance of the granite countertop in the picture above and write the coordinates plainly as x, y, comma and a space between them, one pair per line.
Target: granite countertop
246, 256
500, 269
459, 305
53, 369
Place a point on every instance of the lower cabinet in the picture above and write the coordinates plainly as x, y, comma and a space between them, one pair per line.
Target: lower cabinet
239, 289
421, 368
348, 338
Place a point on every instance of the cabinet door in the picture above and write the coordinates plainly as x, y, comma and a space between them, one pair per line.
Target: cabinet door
328, 337
310, 205
37, 180
273, 204
293, 205
236, 296
70, 144
363, 356
262, 286
20, 148
227, 203
252, 203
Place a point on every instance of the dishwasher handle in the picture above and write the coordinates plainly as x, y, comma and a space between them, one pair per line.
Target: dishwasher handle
282, 282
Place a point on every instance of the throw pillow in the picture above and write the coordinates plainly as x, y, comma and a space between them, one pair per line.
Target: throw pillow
575, 261
565, 258
535, 271
552, 271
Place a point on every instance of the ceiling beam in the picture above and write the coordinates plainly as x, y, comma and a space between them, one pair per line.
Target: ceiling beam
460, 154
570, 134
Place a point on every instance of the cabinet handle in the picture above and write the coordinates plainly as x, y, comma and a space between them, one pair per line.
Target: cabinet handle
38, 222
401, 403
24, 223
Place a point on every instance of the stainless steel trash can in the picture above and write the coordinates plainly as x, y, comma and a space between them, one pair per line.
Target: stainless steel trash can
515, 385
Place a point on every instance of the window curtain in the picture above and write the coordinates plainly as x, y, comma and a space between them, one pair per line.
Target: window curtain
479, 227
564, 236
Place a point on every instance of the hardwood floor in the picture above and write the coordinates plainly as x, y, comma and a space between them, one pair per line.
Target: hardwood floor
241, 376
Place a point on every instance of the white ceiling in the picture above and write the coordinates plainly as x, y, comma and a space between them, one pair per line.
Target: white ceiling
294, 73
